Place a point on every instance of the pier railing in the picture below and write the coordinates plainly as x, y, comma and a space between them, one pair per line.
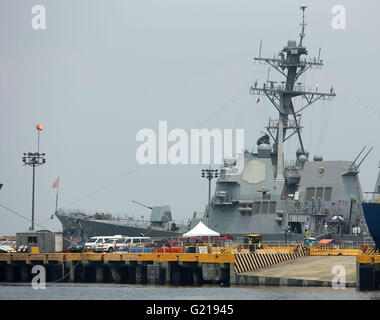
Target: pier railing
235, 247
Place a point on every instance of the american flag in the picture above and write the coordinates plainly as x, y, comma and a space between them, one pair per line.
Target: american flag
56, 182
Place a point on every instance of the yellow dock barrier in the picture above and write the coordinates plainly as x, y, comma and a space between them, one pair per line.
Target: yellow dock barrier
89, 256
315, 251
369, 256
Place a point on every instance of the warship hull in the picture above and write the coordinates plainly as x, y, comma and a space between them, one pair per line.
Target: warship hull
372, 217
371, 211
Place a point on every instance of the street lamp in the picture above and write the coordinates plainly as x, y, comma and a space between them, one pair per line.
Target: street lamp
34, 159
209, 174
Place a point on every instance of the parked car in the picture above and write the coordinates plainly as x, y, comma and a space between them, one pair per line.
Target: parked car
111, 246
77, 247
107, 246
92, 242
134, 242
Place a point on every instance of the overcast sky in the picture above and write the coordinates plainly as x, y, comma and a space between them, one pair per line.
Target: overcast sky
103, 70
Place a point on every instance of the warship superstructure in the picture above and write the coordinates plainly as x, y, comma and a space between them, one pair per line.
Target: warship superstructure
264, 194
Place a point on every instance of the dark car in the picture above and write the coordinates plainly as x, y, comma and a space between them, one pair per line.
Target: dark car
76, 247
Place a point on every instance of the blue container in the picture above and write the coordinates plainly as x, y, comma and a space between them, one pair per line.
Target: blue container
138, 250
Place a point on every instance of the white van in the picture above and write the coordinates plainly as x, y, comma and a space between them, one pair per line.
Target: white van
135, 241
92, 242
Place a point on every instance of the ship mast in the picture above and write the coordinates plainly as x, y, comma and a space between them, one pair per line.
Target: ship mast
291, 66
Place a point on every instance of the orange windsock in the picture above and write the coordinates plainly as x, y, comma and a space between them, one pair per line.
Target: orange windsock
39, 127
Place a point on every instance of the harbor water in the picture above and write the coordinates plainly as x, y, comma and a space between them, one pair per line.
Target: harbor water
79, 291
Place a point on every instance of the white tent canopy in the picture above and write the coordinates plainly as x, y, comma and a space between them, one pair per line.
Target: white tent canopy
201, 230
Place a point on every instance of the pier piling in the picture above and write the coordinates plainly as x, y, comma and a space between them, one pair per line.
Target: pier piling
167, 269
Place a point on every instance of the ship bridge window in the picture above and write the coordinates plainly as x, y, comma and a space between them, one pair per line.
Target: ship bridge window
264, 207
328, 192
256, 207
319, 193
309, 193
272, 207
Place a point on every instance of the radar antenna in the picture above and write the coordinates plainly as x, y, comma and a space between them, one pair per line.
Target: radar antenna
303, 24
290, 64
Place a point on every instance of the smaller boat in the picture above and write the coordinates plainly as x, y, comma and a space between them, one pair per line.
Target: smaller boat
371, 209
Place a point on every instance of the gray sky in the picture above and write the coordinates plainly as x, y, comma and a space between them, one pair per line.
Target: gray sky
102, 70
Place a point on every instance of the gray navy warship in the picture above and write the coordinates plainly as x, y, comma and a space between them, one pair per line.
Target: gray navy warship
76, 223
262, 193
266, 195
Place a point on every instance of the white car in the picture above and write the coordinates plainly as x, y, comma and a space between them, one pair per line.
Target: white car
94, 241
107, 246
111, 245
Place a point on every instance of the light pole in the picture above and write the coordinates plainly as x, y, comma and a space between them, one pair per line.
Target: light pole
209, 174
34, 160
286, 231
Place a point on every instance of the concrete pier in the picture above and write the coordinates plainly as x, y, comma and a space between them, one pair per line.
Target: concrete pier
141, 272
153, 273
141, 269
368, 272
305, 271
280, 269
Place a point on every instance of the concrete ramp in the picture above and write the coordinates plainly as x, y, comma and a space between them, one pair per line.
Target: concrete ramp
305, 271
253, 261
